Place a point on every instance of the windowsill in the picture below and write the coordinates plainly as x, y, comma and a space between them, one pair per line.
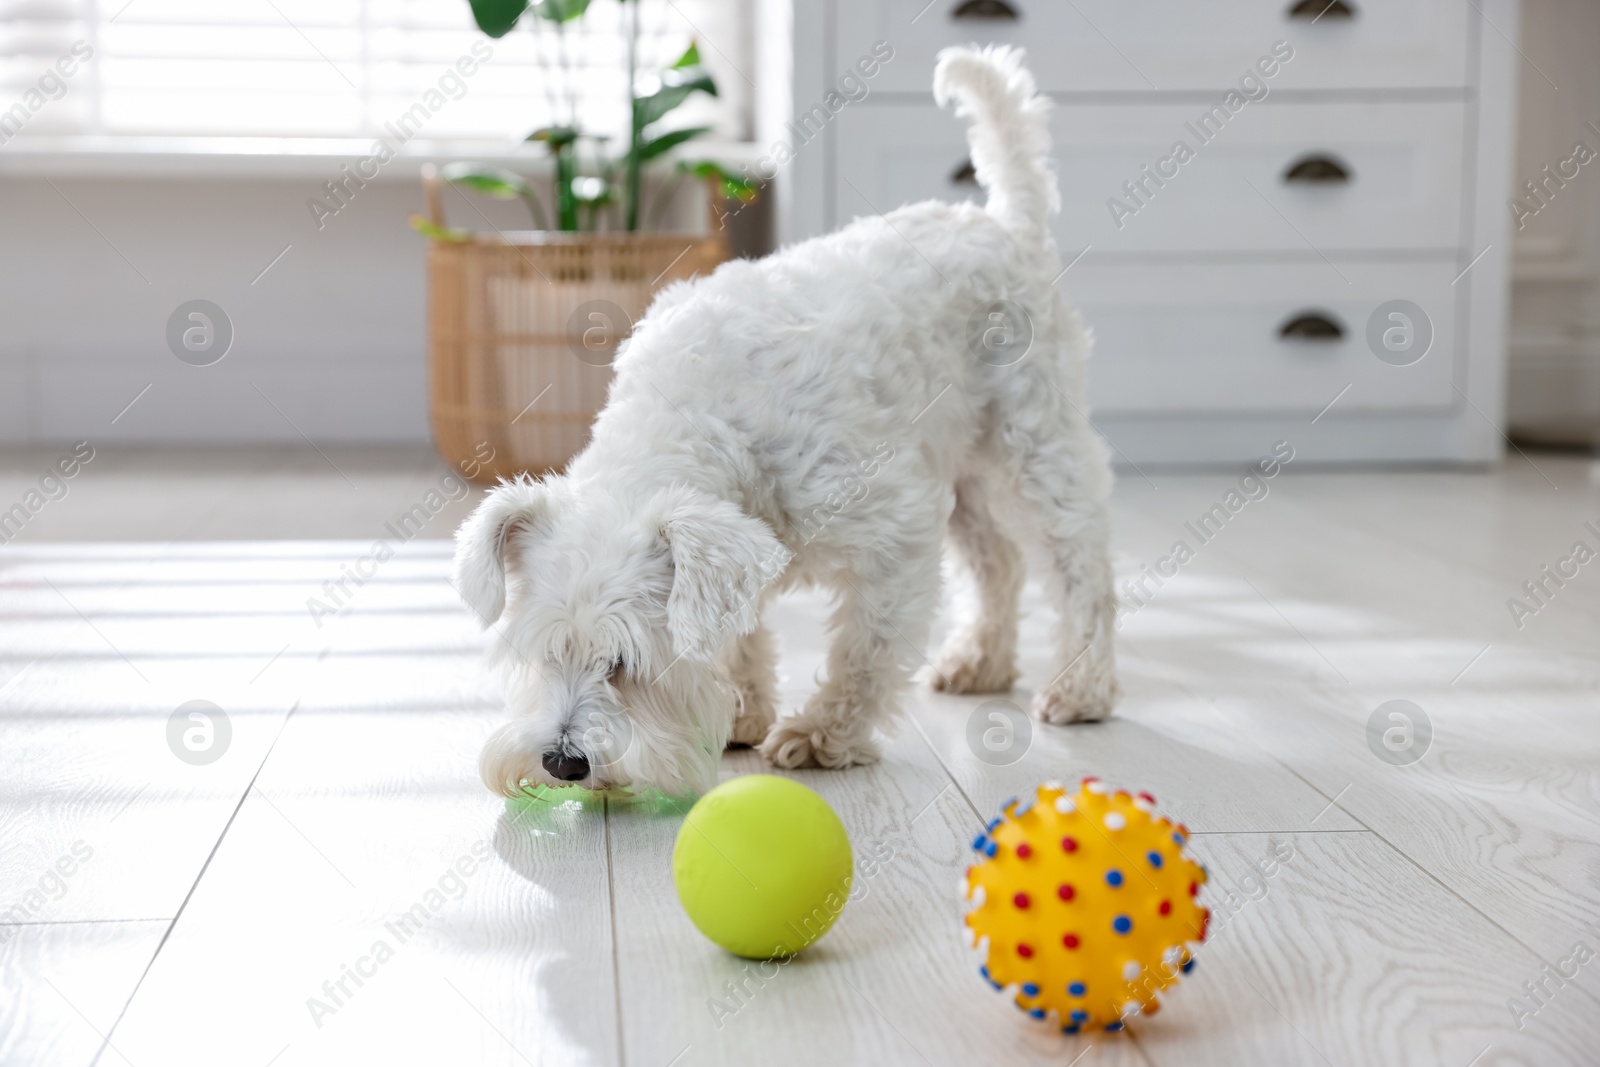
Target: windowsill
247, 158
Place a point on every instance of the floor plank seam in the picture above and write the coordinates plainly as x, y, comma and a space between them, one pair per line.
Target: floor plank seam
167, 933
88, 922
948, 773
611, 908
1245, 833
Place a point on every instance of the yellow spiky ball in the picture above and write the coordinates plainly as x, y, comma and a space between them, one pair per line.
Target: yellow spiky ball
1084, 904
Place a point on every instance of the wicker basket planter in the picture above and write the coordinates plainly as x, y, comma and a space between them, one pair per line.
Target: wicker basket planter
522, 329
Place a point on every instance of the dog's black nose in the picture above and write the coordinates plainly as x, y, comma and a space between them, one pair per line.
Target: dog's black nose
566, 768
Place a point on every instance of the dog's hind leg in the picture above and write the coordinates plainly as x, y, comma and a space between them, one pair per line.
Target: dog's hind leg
1062, 478
880, 628
980, 656
752, 662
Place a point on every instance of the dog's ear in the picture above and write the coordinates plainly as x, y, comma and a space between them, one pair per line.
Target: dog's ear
721, 560
483, 541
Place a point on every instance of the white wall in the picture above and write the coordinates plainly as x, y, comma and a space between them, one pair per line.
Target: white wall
92, 265
1554, 361
333, 333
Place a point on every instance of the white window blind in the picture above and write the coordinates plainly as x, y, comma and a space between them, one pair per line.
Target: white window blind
341, 68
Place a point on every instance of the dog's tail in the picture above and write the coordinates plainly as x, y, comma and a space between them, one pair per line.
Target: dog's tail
1010, 131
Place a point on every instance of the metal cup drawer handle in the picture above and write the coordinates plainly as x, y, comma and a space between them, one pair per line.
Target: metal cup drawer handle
1322, 9
1318, 168
1317, 326
985, 11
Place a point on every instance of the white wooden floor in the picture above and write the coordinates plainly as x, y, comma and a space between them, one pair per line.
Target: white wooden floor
215, 901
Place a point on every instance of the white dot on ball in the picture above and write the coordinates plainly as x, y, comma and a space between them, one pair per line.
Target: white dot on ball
1130, 970
1142, 804
1130, 1009
1115, 820
1173, 956
979, 896
1096, 787
1065, 805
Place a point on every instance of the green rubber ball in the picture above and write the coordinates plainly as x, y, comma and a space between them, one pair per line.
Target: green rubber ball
762, 866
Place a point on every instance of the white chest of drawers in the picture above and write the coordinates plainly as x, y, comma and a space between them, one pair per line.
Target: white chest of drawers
1242, 295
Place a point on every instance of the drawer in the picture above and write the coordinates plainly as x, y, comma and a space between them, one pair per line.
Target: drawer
1209, 337
1141, 45
1252, 186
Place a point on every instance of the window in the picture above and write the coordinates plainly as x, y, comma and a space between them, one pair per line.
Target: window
340, 68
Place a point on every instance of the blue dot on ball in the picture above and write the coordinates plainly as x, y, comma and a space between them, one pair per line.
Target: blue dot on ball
1113, 878
1188, 965
1155, 859
1074, 1028
1037, 1013
1179, 838
1122, 924
1077, 989
1080, 1016
1113, 1027
1029, 989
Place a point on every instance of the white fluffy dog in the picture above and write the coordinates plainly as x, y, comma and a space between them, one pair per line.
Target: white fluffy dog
824, 415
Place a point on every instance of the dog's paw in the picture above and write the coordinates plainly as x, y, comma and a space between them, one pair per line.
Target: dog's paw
796, 742
965, 666
757, 712
750, 729
1066, 702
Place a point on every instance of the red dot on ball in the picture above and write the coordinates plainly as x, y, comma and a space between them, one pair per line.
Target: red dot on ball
1147, 798
1166, 907
1066, 892
1024, 850
1020, 900
1194, 889
1069, 844
1025, 951
1071, 941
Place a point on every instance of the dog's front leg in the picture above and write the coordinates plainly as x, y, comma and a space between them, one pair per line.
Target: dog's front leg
879, 631
751, 661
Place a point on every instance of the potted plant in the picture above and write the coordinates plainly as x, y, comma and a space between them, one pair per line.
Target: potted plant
523, 326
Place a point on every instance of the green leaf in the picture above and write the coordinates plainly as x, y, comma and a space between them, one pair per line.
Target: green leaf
557, 137
560, 10
482, 178
438, 233
676, 87
495, 182
496, 17
666, 142
731, 185
691, 58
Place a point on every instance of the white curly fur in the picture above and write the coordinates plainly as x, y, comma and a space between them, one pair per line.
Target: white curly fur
817, 416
